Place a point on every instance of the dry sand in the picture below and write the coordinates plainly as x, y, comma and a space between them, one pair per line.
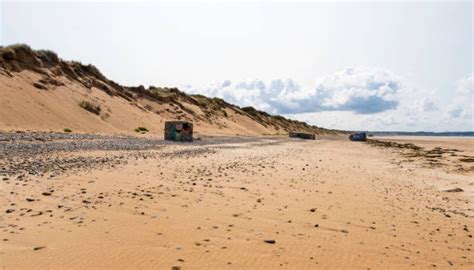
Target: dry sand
326, 203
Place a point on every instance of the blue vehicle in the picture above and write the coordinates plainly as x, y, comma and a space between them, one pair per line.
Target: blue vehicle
358, 137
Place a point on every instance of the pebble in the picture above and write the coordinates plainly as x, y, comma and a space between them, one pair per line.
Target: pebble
454, 190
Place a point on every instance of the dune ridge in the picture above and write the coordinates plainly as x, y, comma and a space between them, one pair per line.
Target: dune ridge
42, 92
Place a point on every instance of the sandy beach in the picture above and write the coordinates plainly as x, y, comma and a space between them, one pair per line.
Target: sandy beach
236, 135
234, 203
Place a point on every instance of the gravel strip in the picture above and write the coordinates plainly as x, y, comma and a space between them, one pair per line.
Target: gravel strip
38, 154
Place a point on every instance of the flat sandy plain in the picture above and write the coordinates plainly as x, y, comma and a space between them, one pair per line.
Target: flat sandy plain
249, 203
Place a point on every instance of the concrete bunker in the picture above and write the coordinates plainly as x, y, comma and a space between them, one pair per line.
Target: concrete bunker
179, 131
303, 135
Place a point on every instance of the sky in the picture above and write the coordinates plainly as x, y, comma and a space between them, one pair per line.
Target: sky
392, 66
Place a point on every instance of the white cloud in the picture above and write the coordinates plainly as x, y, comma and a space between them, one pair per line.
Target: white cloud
428, 103
361, 90
461, 106
354, 99
466, 86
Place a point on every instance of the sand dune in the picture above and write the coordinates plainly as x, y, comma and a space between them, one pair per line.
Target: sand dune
41, 92
24, 107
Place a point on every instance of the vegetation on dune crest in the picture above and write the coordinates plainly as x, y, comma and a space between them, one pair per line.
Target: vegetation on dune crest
20, 54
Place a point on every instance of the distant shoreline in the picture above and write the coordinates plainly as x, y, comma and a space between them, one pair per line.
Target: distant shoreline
423, 134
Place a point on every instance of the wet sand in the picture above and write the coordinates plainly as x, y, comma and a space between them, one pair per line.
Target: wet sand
266, 203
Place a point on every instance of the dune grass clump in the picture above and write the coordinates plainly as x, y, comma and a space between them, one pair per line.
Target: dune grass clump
141, 129
9, 52
88, 106
67, 130
48, 57
250, 110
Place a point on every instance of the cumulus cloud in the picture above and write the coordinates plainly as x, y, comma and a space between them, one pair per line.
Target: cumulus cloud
466, 86
461, 106
357, 90
428, 105
355, 99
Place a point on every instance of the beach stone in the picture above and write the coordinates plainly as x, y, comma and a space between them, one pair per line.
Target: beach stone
454, 190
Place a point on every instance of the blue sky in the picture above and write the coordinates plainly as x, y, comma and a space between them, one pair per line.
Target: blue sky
355, 65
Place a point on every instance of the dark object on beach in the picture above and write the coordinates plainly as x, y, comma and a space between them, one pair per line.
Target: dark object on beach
179, 131
302, 135
454, 190
269, 241
358, 137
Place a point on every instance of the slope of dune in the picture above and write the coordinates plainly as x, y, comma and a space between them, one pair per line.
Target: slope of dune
41, 92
